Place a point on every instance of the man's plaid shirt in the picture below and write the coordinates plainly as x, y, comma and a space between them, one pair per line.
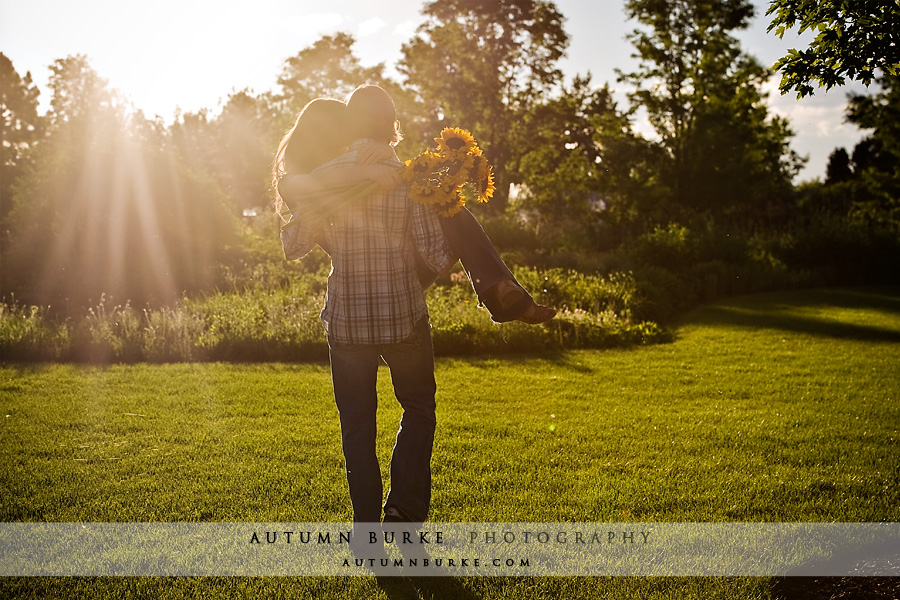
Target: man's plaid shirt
374, 295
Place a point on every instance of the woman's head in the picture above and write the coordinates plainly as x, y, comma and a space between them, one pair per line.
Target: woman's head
318, 135
371, 114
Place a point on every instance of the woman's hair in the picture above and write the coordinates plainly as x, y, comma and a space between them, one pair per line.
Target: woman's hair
319, 134
371, 114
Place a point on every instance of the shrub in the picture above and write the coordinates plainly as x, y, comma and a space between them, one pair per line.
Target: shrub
282, 323
672, 247
570, 290
662, 294
26, 334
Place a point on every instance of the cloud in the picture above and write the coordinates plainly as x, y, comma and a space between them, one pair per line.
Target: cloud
370, 26
818, 121
406, 29
820, 116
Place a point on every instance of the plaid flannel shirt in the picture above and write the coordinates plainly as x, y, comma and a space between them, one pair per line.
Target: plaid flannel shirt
374, 295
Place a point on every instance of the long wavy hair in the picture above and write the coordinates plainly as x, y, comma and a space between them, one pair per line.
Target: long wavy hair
319, 134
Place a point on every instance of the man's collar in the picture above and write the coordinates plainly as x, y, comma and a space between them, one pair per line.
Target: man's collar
361, 142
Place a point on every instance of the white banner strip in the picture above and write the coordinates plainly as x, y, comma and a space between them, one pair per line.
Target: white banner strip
455, 549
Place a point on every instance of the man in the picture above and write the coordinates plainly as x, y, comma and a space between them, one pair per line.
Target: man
375, 310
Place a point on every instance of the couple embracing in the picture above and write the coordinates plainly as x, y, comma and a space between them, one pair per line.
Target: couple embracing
385, 249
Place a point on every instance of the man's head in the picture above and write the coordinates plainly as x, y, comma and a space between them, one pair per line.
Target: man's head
371, 114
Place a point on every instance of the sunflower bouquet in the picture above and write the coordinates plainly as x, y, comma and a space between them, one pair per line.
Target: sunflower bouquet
453, 173
445, 178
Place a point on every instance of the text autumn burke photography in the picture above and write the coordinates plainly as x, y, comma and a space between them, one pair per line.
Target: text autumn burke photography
417, 546
431, 538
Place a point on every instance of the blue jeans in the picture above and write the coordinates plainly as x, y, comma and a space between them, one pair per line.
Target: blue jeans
354, 370
483, 265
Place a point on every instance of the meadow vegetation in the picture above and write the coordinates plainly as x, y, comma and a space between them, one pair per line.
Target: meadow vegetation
771, 407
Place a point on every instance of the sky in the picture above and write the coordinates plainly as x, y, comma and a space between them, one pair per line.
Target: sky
190, 54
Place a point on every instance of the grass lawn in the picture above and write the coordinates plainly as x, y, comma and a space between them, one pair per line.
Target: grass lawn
774, 407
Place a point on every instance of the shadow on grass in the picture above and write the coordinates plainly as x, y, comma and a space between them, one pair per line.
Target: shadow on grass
413, 588
883, 557
439, 584
819, 588
773, 312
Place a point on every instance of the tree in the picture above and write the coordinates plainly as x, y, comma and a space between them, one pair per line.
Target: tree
21, 125
838, 169
330, 69
235, 147
483, 66
854, 40
327, 69
192, 137
244, 137
584, 164
724, 156
106, 210
877, 157
80, 96
863, 188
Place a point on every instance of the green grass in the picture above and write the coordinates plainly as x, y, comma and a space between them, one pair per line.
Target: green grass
774, 407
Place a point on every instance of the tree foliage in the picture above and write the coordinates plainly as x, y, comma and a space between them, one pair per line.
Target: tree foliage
99, 200
877, 157
724, 155
20, 127
483, 66
326, 69
583, 160
853, 40
105, 210
243, 136
838, 169
79, 96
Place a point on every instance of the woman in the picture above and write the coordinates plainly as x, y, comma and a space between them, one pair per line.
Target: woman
320, 134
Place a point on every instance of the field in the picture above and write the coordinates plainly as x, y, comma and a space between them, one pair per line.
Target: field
772, 407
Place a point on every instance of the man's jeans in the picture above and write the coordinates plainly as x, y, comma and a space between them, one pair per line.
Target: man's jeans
354, 371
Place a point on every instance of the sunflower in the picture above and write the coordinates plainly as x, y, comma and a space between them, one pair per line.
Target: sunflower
451, 210
451, 174
428, 193
450, 192
486, 186
455, 141
421, 167
482, 177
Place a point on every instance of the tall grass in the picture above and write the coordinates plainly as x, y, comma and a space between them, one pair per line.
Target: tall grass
281, 322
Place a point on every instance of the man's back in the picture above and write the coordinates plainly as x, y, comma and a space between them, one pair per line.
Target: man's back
374, 295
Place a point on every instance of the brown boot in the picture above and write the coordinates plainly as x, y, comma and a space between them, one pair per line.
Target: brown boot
508, 294
537, 313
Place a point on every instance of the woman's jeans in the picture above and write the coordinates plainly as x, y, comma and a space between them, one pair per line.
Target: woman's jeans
354, 371
483, 265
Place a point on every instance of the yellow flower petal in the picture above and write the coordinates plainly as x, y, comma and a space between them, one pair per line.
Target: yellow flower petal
455, 141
